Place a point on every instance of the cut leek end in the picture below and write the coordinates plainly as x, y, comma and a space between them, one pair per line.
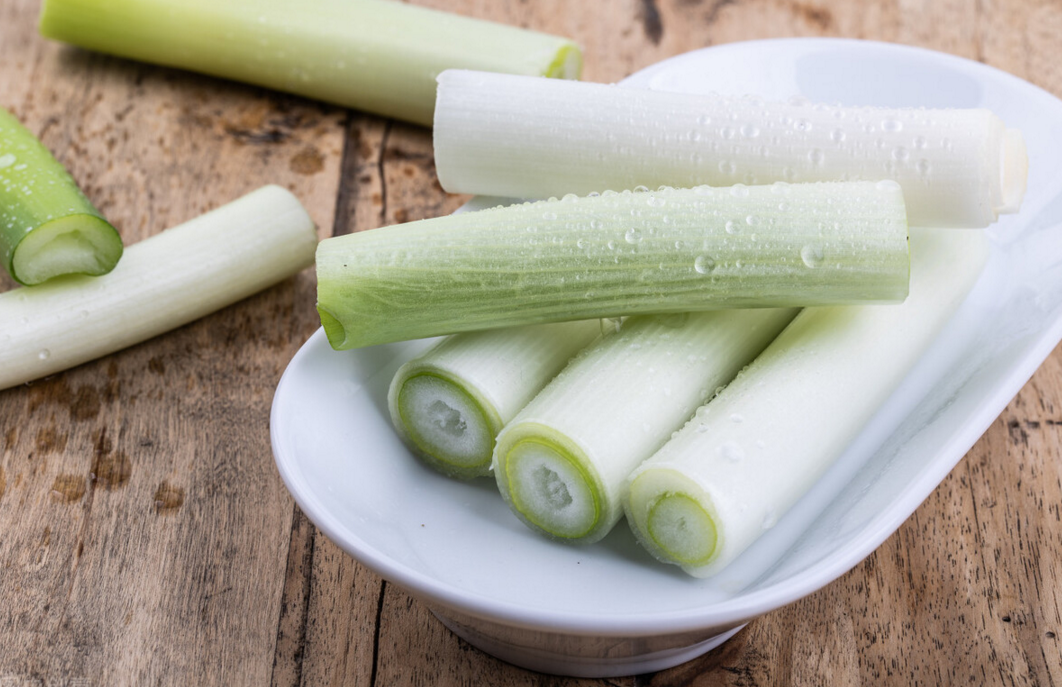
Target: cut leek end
1014, 171
334, 329
674, 519
75, 244
446, 425
568, 63
682, 530
550, 489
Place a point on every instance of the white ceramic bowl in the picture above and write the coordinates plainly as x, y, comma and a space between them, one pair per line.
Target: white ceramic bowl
610, 609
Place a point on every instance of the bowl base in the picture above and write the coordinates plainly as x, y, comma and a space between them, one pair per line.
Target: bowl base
556, 663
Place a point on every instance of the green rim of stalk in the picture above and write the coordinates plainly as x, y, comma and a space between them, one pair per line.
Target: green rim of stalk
74, 244
588, 484
335, 332
661, 520
568, 63
446, 462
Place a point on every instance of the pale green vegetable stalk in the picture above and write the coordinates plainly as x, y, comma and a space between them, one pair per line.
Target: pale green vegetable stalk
47, 225
562, 463
522, 137
673, 250
450, 403
747, 456
162, 283
374, 55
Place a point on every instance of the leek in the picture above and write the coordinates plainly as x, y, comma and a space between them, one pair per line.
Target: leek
747, 456
373, 55
674, 250
561, 464
162, 283
450, 403
47, 226
523, 137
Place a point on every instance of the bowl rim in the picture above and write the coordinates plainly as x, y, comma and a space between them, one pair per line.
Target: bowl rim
744, 606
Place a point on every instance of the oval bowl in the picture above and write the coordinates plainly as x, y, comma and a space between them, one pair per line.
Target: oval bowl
610, 609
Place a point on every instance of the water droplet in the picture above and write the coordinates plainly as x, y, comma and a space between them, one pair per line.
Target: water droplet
611, 245
752, 220
920, 142
655, 201
549, 216
703, 264
581, 243
899, 153
750, 131
811, 255
737, 418
727, 167
923, 167
633, 235
701, 429
837, 135
44, 354
892, 125
732, 452
783, 207
802, 125
727, 132
798, 101
816, 156
595, 224
694, 135
739, 191
732, 227
7, 160
887, 185
770, 519
569, 198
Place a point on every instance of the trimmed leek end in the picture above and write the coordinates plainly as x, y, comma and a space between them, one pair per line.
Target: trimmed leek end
448, 426
1014, 171
334, 329
48, 228
547, 482
673, 518
76, 244
568, 64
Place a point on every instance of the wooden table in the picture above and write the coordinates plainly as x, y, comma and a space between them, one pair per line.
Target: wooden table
146, 538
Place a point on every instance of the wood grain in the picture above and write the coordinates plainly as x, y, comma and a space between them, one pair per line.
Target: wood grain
145, 537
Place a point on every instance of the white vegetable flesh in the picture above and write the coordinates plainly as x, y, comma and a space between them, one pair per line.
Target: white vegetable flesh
748, 455
522, 137
672, 250
450, 403
161, 283
561, 464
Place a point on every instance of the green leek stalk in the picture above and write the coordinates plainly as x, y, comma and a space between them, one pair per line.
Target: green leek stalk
450, 403
521, 137
562, 463
747, 456
162, 283
47, 225
672, 250
374, 55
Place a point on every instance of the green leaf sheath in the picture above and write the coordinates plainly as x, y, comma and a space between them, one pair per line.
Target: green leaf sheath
374, 55
673, 250
47, 226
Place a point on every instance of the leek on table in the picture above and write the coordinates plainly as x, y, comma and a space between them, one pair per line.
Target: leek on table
47, 225
375, 55
522, 137
748, 455
562, 463
672, 250
450, 403
162, 283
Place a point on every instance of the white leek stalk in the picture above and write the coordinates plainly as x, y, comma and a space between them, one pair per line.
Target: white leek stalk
374, 55
747, 456
562, 463
674, 250
450, 403
522, 137
161, 283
